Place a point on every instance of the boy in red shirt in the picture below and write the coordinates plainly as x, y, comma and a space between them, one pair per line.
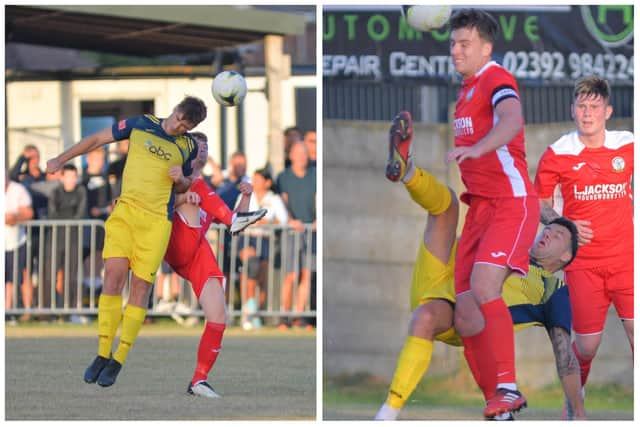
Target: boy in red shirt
190, 255
586, 176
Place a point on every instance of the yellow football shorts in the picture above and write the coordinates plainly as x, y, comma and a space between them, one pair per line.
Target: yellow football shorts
139, 236
432, 280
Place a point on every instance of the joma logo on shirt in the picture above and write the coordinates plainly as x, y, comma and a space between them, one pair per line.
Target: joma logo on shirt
463, 126
600, 192
158, 151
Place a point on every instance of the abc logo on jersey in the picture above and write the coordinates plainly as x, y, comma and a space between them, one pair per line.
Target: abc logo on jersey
158, 151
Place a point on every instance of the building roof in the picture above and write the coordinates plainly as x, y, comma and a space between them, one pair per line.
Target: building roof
147, 30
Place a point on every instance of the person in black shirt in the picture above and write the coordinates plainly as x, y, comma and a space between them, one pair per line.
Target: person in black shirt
67, 202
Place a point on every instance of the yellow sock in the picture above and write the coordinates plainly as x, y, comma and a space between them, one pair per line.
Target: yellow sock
131, 323
428, 192
109, 316
413, 363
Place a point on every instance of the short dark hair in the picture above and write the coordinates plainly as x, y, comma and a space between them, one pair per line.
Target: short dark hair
265, 173
292, 129
569, 225
485, 23
69, 167
237, 154
592, 86
199, 135
193, 109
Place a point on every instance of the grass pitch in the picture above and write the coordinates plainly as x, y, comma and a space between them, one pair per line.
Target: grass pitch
263, 375
358, 397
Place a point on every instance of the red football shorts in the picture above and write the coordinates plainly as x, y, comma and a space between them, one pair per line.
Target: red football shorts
592, 291
499, 232
190, 255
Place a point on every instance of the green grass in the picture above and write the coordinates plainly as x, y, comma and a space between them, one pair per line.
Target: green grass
459, 390
160, 326
260, 378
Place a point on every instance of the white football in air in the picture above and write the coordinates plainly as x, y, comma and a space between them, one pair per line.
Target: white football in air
229, 88
426, 18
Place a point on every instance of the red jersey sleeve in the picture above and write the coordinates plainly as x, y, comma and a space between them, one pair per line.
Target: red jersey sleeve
499, 85
211, 203
547, 176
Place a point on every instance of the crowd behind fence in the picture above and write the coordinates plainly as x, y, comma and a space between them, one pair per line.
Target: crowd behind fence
61, 267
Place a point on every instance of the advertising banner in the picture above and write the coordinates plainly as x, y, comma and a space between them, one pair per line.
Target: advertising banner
538, 44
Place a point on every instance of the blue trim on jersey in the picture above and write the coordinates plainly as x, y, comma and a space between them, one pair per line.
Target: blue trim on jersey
170, 204
556, 312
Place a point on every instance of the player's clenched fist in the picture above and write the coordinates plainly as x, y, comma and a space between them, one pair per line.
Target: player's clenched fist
53, 165
192, 198
175, 173
245, 188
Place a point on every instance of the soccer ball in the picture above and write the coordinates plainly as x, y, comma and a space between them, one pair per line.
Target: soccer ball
229, 88
426, 18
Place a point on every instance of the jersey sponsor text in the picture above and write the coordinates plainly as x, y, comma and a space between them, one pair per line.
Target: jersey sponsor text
600, 192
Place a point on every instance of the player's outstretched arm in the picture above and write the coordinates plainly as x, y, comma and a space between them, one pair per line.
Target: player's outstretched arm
568, 369
245, 190
86, 144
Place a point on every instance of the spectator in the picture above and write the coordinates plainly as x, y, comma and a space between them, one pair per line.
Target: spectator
228, 190
45, 189
99, 206
212, 174
67, 202
255, 254
292, 135
30, 158
27, 171
310, 142
297, 186
18, 209
116, 169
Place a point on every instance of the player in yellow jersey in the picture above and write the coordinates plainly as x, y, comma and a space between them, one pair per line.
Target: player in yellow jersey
137, 231
539, 298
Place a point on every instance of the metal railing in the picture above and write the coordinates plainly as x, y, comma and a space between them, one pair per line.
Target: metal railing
429, 103
56, 251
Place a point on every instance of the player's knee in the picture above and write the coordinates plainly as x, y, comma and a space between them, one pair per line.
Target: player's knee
423, 322
217, 317
253, 267
587, 346
460, 324
114, 281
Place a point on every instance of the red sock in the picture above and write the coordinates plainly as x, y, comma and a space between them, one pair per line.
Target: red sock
211, 203
208, 350
499, 327
488, 390
585, 364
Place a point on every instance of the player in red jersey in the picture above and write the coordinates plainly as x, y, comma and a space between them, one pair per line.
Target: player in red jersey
586, 176
502, 220
190, 255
